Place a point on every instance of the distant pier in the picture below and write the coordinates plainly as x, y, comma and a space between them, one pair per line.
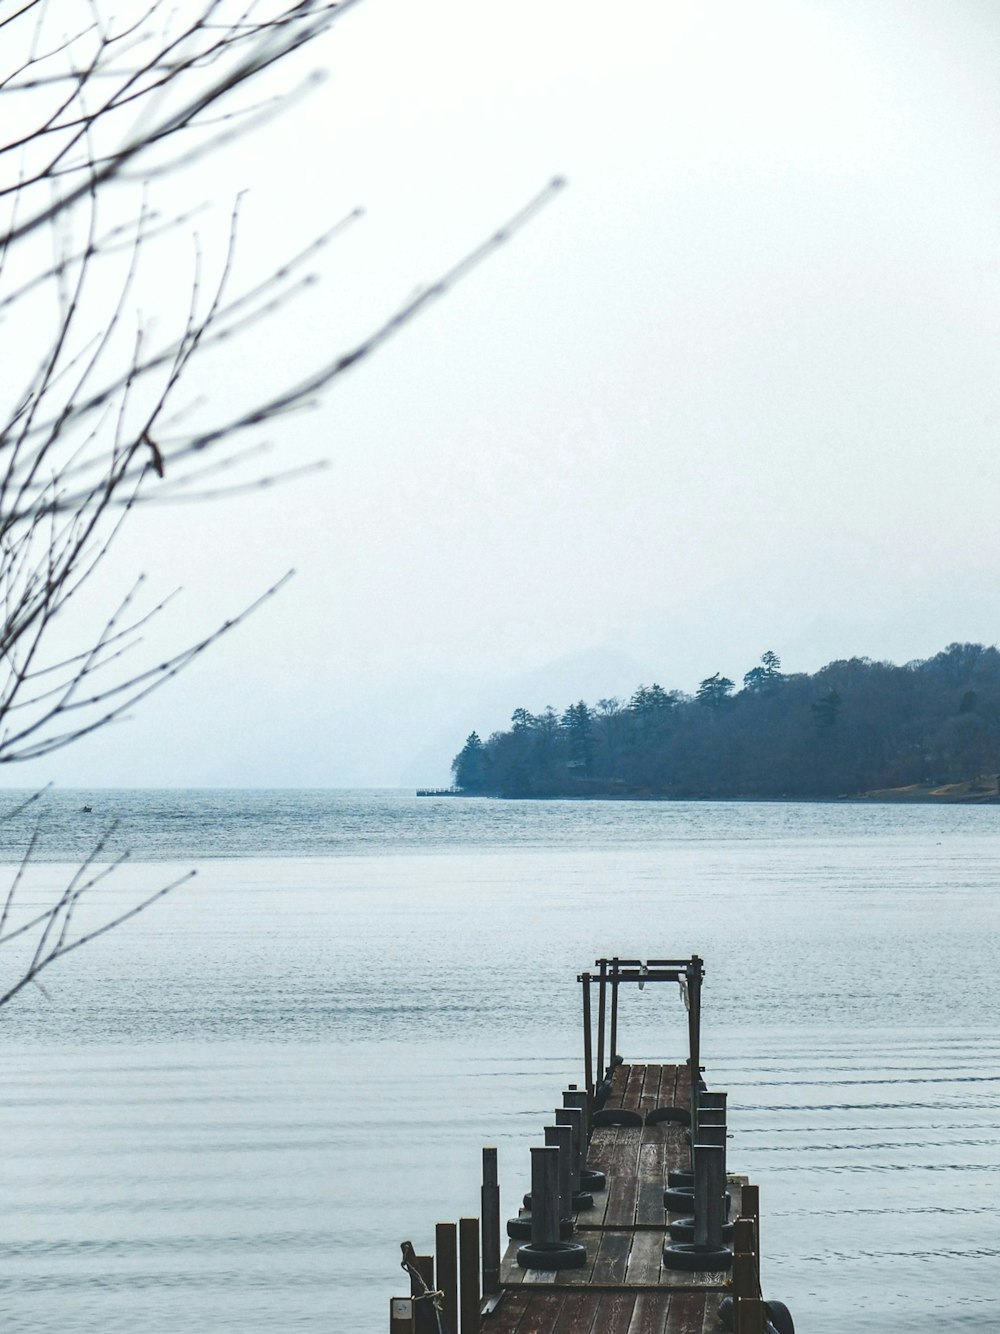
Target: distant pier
632, 1226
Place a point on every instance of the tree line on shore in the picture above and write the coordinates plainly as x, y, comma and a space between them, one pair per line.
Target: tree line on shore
854, 726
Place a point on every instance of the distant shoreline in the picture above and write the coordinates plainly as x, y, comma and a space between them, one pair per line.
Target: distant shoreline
969, 793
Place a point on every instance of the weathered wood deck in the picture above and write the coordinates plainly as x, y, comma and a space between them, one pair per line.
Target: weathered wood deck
623, 1288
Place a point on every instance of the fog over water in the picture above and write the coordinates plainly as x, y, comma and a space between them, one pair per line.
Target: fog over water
230, 1113
735, 390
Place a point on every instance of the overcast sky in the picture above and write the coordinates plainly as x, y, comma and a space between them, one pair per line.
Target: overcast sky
735, 389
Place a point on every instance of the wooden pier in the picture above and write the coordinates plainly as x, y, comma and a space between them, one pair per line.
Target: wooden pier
629, 1132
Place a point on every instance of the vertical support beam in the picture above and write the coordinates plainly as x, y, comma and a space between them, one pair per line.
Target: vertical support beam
446, 1246
614, 1007
602, 990
750, 1208
716, 1137
425, 1321
708, 1157
572, 1117
577, 1098
695, 972
713, 1101
490, 1198
748, 1310
544, 1196
588, 1055
561, 1138
468, 1265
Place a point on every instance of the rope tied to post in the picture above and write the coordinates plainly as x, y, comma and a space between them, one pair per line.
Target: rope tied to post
424, 1293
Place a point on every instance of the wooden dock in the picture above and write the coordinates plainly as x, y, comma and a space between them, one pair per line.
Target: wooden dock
631, 1130
624, 1288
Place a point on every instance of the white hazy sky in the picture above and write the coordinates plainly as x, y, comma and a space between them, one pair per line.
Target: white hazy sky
737, 388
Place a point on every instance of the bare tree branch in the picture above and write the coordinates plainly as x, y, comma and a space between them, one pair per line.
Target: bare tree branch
96, 417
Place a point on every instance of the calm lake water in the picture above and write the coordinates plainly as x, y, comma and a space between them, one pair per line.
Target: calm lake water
228, 1114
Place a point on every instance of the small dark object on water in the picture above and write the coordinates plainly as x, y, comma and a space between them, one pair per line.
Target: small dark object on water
88, 810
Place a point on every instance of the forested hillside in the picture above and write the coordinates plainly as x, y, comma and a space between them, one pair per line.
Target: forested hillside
854, 726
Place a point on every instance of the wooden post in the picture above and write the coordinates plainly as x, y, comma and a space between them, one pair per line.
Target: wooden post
614, 1007
490, 1197
400, 1315
748, 1310
468, 1264
694, 973
712, 1105
446, 1245
544, 1196
750, 1208
572, 1116
601, 1003
588, 1054
577, 1098
715, 1135
424, 1319
561, 1138
709, 1195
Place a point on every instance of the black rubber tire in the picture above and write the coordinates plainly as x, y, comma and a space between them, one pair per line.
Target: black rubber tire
682, 1229
676, 1114
780, 1316
675, 1179
552, 1255
592, 1179
689, 1257
680, 1200
519, 1229
616, 1116
582, 1199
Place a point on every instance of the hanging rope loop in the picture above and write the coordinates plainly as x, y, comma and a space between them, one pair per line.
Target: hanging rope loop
423, 1293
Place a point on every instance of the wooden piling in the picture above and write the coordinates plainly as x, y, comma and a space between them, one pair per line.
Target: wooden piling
573, 1117
716, 1136
577, 1098
750, 1208
749, 1312
602, 996
424, 1320
446, 1248
468, 1265
544, 1196
614, 1007
561, 1139
588, 1055
490, 1202
709, 1195
694, 973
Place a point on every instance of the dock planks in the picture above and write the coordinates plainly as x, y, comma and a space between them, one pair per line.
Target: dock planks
623, 1288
